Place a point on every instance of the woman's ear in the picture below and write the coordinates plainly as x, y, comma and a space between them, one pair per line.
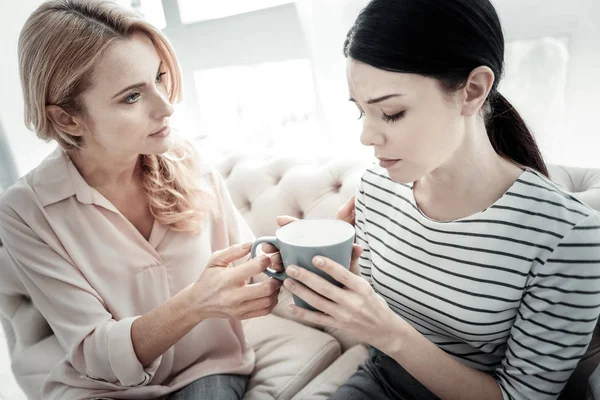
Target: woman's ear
479, 84
64, 121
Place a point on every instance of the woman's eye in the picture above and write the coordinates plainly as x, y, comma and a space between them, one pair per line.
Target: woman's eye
392, 118
132, 98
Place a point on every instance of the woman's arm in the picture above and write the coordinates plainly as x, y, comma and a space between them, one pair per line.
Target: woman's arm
556, 318
220, 292
365, 315
553, 327
435, 369
156, 331
115, 351
96, 345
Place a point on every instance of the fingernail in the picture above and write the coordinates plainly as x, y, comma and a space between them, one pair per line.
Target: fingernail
288, 283
318, 261
292, 310
292, 271
246, 246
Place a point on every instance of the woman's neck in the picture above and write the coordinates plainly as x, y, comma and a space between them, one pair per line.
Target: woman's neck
108, 172
471, 180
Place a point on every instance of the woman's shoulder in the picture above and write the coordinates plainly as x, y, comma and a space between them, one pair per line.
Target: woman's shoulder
540, 192
19, 194
47, 183
14, 195
19, 205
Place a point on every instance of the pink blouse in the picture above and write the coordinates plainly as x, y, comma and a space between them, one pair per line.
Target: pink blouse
91, 274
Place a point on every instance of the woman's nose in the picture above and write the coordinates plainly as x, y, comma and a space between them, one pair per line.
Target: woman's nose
370, 136
163, 107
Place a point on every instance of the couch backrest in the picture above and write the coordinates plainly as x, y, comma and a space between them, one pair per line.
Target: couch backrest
264, 187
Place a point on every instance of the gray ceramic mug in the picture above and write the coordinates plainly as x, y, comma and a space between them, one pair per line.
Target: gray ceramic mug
300, 241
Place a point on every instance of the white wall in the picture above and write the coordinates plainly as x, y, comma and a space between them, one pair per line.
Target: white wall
578, 21
272, 34
25, 145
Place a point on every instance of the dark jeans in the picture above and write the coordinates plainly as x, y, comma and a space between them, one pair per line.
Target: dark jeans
382, 378
217, 387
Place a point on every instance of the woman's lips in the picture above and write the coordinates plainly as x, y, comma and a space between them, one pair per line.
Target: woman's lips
164, 132
384, 163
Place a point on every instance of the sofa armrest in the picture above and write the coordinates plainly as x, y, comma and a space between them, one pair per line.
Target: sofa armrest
288, 356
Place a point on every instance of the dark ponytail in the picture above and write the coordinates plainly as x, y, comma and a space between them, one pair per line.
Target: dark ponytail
445, 40
509, 135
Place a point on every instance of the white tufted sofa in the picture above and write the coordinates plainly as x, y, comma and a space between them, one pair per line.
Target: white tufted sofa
315, 362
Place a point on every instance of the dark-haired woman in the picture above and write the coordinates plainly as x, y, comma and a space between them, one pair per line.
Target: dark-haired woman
480, 278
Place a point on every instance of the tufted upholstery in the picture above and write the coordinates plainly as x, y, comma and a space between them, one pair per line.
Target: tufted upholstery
583, 182
262, 188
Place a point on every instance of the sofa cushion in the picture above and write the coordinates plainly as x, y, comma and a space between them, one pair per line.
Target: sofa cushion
582, 182
335, 375
288, 356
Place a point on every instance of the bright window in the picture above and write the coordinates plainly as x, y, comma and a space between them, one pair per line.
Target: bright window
268, 106
194, 10
150, 10
536, 84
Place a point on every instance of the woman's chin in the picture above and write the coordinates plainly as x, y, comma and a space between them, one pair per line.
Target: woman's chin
160, 146
402, 176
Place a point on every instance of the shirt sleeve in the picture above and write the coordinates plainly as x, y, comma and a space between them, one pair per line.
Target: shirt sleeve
556, 318
364, 261
97, 345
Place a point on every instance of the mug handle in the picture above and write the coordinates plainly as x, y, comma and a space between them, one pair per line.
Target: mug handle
273, 240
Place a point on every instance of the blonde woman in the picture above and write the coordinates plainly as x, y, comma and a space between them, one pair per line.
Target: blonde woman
121, 240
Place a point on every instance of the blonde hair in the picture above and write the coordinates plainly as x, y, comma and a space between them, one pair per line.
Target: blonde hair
59, 46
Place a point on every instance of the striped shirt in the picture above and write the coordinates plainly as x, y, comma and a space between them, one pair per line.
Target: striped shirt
513, 290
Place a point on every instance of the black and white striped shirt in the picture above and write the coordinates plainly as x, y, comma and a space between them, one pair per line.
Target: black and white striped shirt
513, 290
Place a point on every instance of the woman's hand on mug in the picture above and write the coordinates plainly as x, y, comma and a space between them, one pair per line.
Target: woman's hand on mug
222, 292
356, 308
